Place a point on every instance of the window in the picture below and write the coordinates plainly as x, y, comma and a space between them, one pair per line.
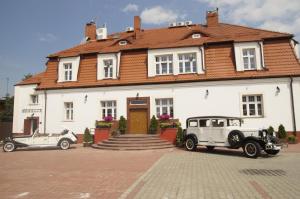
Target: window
164, 106
204, 123
187, 63
196, 36
109, 108
123, 43
69, 111
108, 68
249, 59
164, 64
193, 123
252, 105
34, 99
68, 72
218, 122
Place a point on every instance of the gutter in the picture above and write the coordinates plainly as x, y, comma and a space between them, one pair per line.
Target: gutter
293, 106
45, 111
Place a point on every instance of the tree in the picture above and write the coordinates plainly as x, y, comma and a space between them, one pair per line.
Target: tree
7, 114
122, 125
281, 132
87, 136
153, 125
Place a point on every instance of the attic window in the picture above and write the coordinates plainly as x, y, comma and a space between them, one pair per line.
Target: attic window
196, 35
123, 43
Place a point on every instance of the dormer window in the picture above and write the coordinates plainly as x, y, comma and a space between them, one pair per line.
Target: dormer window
249, 59
196, 35
68, 72
123, 43
187, 63
164, 64
108, 68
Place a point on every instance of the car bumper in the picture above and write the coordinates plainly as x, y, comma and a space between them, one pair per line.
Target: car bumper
271, 146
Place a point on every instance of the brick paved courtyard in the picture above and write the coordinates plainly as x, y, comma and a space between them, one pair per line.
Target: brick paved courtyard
163, 174
75, 173
222, 174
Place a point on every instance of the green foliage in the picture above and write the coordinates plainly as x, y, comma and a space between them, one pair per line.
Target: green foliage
281, 132
87, 137
102, 124
180, 137
164, 125
153, 125
270, 130
122, 125
292, 139
6, 115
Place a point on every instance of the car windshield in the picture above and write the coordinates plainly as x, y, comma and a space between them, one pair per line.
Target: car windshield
233, 122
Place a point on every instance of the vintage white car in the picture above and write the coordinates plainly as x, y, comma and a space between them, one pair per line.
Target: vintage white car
220, 131
62, 140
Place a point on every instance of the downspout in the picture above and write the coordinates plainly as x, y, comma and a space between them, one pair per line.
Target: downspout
45, 111
293, 106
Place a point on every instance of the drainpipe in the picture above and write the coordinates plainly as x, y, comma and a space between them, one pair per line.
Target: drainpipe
45, 111
293, 106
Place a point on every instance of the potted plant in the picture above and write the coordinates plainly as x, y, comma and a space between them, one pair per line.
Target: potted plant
168, 128
103, 129
292, 139
122, 125
87, 138
153, 125
180, 137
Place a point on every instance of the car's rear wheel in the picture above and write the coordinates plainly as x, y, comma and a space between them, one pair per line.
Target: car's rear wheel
251, 149
190, 144
210, 148
9, 147
64, 144
272, 152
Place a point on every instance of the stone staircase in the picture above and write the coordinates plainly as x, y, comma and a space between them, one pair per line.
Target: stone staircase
133, 142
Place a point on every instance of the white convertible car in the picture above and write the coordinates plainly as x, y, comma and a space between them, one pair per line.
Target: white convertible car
62, 140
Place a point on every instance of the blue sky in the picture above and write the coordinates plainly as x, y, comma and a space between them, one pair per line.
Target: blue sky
32, 29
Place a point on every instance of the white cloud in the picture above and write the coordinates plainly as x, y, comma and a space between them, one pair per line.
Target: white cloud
48, 37
277, 15
131, 8
159, 15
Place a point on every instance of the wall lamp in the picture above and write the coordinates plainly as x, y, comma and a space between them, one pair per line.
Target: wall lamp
85, 98
137, 95
206, 92
277, 89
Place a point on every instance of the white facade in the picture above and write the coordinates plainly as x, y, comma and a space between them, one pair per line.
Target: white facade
222, 98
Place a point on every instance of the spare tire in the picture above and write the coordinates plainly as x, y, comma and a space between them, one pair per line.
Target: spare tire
235, 139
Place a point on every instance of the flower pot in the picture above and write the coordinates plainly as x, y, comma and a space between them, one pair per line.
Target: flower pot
87, 144
101, 134
169, 134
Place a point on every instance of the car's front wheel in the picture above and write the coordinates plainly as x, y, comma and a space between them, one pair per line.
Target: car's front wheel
272, 152
190, 144
251, 149
9, 147
64, 144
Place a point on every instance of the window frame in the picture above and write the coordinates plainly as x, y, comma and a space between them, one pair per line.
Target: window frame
105, 108
256, 103
159, 106
68, 72
158, 63
248, 56
68, 111
183, 61
31, 99
110, 69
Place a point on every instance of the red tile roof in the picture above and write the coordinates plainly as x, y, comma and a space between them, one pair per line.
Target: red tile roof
35, 79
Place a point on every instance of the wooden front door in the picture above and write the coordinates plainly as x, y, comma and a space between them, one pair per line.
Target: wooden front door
138, 115
30, 125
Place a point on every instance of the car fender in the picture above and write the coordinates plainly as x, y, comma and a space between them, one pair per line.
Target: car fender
65, 138
256, 139
191, 135
18, 144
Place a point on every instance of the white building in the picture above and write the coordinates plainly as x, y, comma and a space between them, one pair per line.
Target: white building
184, 71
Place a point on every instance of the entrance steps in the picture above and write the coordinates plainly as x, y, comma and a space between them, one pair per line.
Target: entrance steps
133, 142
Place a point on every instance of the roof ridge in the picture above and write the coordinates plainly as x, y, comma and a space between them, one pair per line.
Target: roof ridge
260, 29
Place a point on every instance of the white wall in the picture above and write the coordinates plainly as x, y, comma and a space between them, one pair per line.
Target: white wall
22, 106
190, 99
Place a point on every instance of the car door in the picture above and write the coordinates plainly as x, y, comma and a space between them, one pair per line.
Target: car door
204, 127
194, 128
40, 139
217, 131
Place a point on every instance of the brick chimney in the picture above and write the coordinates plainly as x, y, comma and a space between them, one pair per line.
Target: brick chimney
137, 24
90, 30
212, 18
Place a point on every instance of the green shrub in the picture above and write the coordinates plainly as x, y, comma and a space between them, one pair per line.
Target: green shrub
180, 137
153, 125
122, 125
270, 130
102, 124
281, 132
87, 137
292, 139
